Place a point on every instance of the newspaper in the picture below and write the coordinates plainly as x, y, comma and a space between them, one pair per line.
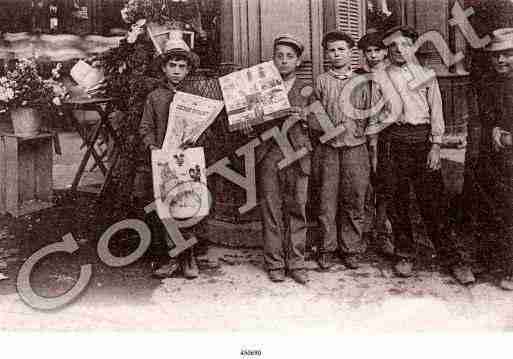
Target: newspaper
189, 117
180, 183
256, 88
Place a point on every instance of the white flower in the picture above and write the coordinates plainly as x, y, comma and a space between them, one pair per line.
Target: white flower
135, 31
57, 101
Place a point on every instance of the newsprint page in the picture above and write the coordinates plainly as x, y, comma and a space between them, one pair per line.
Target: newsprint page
256, 178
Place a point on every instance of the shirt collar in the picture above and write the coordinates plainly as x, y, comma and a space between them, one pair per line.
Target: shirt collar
338, 76
289, 83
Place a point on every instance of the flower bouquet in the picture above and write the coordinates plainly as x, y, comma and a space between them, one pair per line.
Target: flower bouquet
28, 97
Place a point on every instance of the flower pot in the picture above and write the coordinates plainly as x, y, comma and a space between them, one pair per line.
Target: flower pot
25, 121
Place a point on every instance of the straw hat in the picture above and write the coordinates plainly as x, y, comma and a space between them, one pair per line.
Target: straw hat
177, 46
502, 39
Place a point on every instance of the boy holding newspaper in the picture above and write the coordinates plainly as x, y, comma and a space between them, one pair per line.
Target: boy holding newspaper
176, 62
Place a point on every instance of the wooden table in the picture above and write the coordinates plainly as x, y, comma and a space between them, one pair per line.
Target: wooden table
26, 165
103, 106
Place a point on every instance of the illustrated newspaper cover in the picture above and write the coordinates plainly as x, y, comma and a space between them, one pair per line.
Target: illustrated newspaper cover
255, 87
180, 183
189, 116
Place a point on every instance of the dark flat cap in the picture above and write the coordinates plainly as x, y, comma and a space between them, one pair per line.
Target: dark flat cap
405, 31
337, 35
371, 38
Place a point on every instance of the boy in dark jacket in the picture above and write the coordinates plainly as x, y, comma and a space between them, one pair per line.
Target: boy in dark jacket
176, 63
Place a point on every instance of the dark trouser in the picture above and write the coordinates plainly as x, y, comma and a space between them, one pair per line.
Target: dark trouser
283, 196
496, 217
344, 181
379, 184
409, 166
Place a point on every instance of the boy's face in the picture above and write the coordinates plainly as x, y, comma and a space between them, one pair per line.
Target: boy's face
402, 44
503, 61
338, 53
176, 70
286, 59
375, 55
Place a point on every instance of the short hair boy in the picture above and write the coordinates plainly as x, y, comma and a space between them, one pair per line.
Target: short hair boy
176, 62
375, 53
415, 142
344, 167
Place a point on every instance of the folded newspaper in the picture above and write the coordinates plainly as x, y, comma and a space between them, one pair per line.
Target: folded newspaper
87, 77
189, 116
257, 88
180, 183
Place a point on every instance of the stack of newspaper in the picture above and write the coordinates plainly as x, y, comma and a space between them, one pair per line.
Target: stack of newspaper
179, 175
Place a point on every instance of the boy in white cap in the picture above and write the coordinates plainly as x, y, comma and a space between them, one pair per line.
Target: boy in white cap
496, 154
283, 192
176, 62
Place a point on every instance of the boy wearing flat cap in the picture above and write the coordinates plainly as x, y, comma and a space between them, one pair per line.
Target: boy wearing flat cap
343, 162
415, 140
283, 192
375, 53
495, 164
176, 62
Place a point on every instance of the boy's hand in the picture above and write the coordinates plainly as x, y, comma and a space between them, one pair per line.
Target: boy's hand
298, 112
498, 136
187, 144
433, 160
247, 129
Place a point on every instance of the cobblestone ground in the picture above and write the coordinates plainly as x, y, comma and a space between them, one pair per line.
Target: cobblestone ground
233, 292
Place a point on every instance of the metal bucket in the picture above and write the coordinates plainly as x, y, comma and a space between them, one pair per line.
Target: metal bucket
25, 121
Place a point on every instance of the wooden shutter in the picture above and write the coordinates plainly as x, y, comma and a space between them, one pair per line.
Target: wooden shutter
350, 18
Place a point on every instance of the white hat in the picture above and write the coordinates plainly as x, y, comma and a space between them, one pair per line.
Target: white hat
176, 45
502, 39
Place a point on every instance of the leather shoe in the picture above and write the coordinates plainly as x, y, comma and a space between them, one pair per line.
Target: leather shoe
404, 268
299, 275
277, 275
324, 261
189, 265
166, 270
506, 283
463, 274
351, 261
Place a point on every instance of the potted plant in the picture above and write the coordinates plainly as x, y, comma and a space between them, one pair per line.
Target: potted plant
28, 97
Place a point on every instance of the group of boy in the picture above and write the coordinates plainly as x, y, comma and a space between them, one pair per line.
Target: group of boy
396, 146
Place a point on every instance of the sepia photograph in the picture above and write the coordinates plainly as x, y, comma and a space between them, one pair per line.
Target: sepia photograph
319, 168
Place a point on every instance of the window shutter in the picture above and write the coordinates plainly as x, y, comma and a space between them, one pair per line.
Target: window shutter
350, 19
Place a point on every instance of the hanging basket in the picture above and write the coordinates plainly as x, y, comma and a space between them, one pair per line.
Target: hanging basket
25, 121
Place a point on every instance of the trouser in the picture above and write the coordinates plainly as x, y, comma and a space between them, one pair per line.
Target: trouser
496, 217
344, 180
383, 168
283, 196
409, 167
